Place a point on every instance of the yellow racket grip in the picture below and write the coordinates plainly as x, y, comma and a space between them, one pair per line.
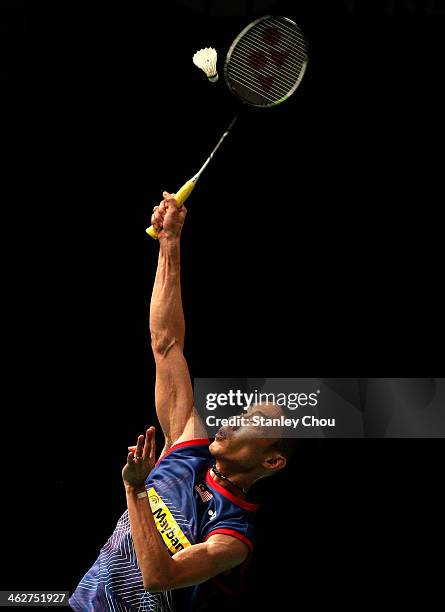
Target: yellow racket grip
180, 198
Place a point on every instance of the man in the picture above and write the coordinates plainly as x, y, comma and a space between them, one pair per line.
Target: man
188, 529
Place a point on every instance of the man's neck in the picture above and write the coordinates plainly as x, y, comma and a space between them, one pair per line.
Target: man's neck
244, 481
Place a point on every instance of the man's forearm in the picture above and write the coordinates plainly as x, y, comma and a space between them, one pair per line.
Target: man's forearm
153, 558
166, 313
190, 566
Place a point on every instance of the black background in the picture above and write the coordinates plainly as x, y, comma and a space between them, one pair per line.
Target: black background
312, 247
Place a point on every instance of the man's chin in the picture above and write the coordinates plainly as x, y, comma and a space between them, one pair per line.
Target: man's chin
216, 447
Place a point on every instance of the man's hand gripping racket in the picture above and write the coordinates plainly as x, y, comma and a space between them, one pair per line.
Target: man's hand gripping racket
168, 218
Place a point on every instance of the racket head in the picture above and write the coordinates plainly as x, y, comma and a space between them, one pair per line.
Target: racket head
267, 61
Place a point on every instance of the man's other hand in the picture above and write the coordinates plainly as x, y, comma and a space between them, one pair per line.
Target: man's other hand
140, 460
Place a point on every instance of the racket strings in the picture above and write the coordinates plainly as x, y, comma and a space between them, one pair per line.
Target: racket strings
293, 39
280, 81
245, 79
282, 75
298, 53
294, 33
267, 62
252, 52
260, 94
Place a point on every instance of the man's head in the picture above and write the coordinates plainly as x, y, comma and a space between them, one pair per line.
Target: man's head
253, 447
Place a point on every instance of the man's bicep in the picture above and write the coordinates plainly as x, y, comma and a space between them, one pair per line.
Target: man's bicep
173, 393
201, 562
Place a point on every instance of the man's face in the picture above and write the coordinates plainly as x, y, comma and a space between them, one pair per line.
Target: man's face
247, 445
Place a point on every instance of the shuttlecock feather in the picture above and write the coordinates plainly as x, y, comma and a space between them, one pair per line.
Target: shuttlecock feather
205, 59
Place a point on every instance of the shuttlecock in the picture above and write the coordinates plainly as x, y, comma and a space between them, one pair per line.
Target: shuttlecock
205, 59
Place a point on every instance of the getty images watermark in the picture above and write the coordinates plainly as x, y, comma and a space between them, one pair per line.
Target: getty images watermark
262, 409
280, 407
323, 407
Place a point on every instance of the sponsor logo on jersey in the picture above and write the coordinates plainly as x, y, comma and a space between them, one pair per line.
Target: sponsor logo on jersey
166, 524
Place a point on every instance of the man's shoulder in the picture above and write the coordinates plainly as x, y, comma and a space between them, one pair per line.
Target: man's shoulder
195, 447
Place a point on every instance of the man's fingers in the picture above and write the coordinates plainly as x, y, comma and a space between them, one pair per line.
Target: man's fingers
139, 446
149, 441
146, 450
157, 218
156, 222
153, 445
130, 458
167, 203
171, 203
167, 210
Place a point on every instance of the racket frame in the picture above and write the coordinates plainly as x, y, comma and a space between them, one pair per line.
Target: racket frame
248, 27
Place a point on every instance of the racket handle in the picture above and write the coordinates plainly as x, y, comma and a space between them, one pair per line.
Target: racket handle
180, 198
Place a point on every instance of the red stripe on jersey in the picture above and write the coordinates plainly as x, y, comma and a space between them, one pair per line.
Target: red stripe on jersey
239, 502
235, 534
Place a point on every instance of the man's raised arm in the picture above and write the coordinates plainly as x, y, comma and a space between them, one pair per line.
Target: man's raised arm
167, 325
173, 394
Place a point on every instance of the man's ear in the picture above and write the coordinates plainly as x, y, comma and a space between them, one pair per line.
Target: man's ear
275, 462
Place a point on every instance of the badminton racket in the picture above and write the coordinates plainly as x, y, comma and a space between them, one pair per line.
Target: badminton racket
264, 66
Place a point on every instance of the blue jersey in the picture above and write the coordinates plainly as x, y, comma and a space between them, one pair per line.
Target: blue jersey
188, 507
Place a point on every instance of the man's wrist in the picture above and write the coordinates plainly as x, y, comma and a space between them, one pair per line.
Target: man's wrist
134, 489
169, 239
